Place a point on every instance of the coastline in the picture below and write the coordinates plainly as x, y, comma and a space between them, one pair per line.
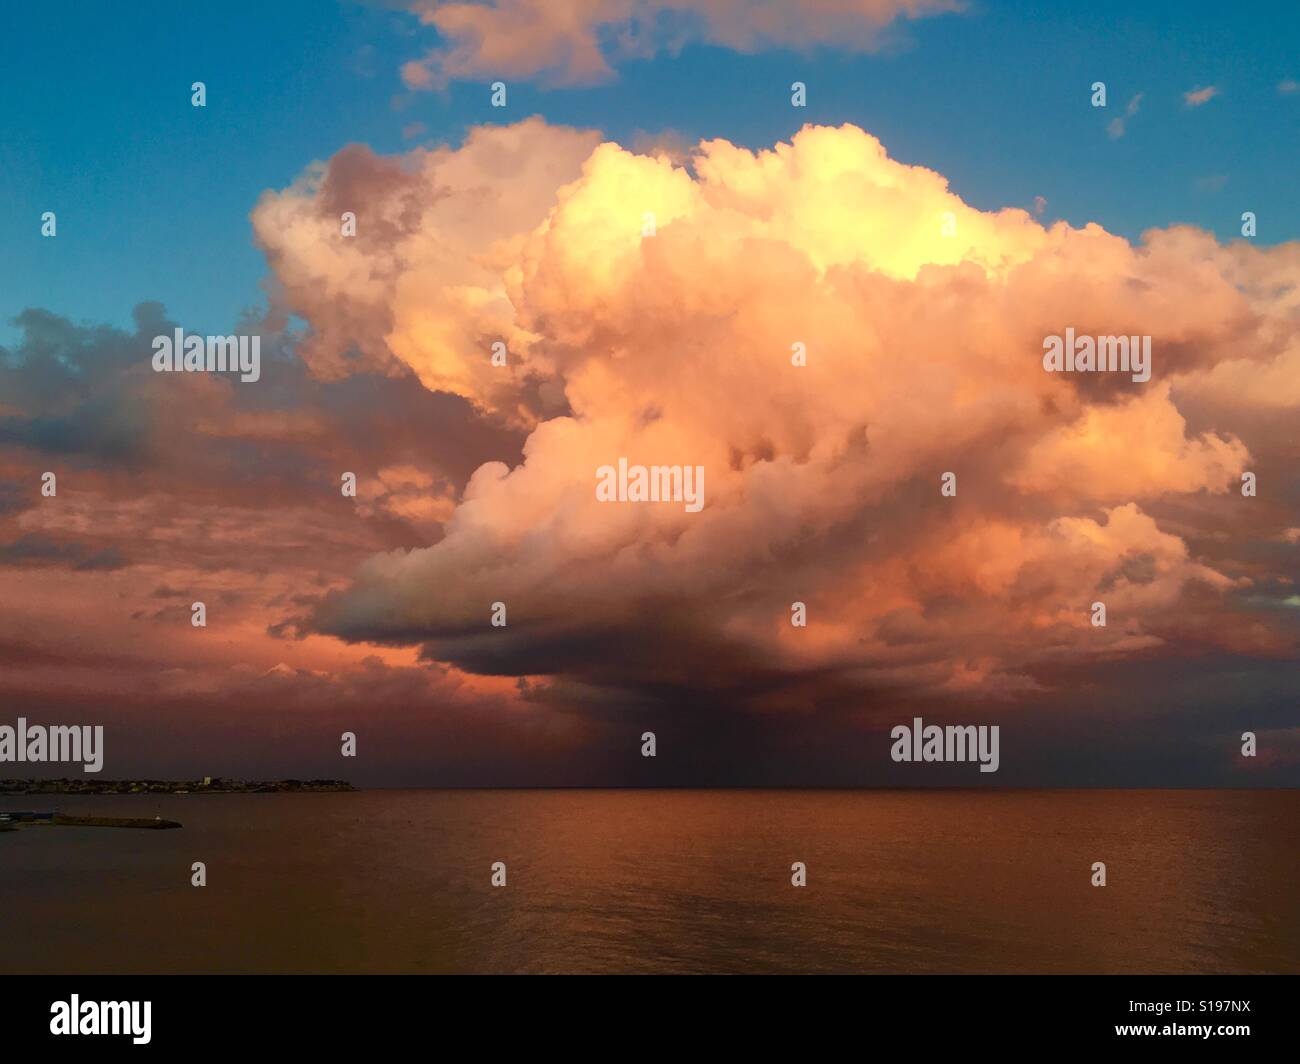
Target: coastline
207, 785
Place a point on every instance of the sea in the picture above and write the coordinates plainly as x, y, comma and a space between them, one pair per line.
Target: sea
660, 881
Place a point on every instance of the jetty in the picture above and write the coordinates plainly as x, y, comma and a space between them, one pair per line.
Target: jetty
153, 823
13, 821
206, 785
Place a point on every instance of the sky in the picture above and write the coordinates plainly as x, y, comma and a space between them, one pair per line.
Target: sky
948, 197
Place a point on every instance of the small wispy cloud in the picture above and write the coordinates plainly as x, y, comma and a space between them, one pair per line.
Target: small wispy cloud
1116, 126
1040, 205
1288, 86
1197, 97
1211, 183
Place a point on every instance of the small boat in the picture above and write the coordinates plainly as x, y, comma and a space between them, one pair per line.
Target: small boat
14, 816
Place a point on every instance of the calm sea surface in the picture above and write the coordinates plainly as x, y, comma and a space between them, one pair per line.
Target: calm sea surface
661, 881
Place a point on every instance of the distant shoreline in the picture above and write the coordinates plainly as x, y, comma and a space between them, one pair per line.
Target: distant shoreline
208, 785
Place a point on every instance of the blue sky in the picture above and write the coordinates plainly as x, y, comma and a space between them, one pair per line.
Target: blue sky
153, 195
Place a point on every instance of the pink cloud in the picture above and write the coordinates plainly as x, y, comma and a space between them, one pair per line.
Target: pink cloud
579, 42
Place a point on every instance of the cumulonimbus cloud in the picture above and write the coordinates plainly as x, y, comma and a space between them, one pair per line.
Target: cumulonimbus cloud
577, 42
651, 310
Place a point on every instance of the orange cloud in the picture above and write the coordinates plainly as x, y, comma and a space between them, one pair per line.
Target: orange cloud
651, 310
422, 284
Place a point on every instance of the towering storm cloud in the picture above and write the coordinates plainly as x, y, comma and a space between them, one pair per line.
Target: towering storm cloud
856, 359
